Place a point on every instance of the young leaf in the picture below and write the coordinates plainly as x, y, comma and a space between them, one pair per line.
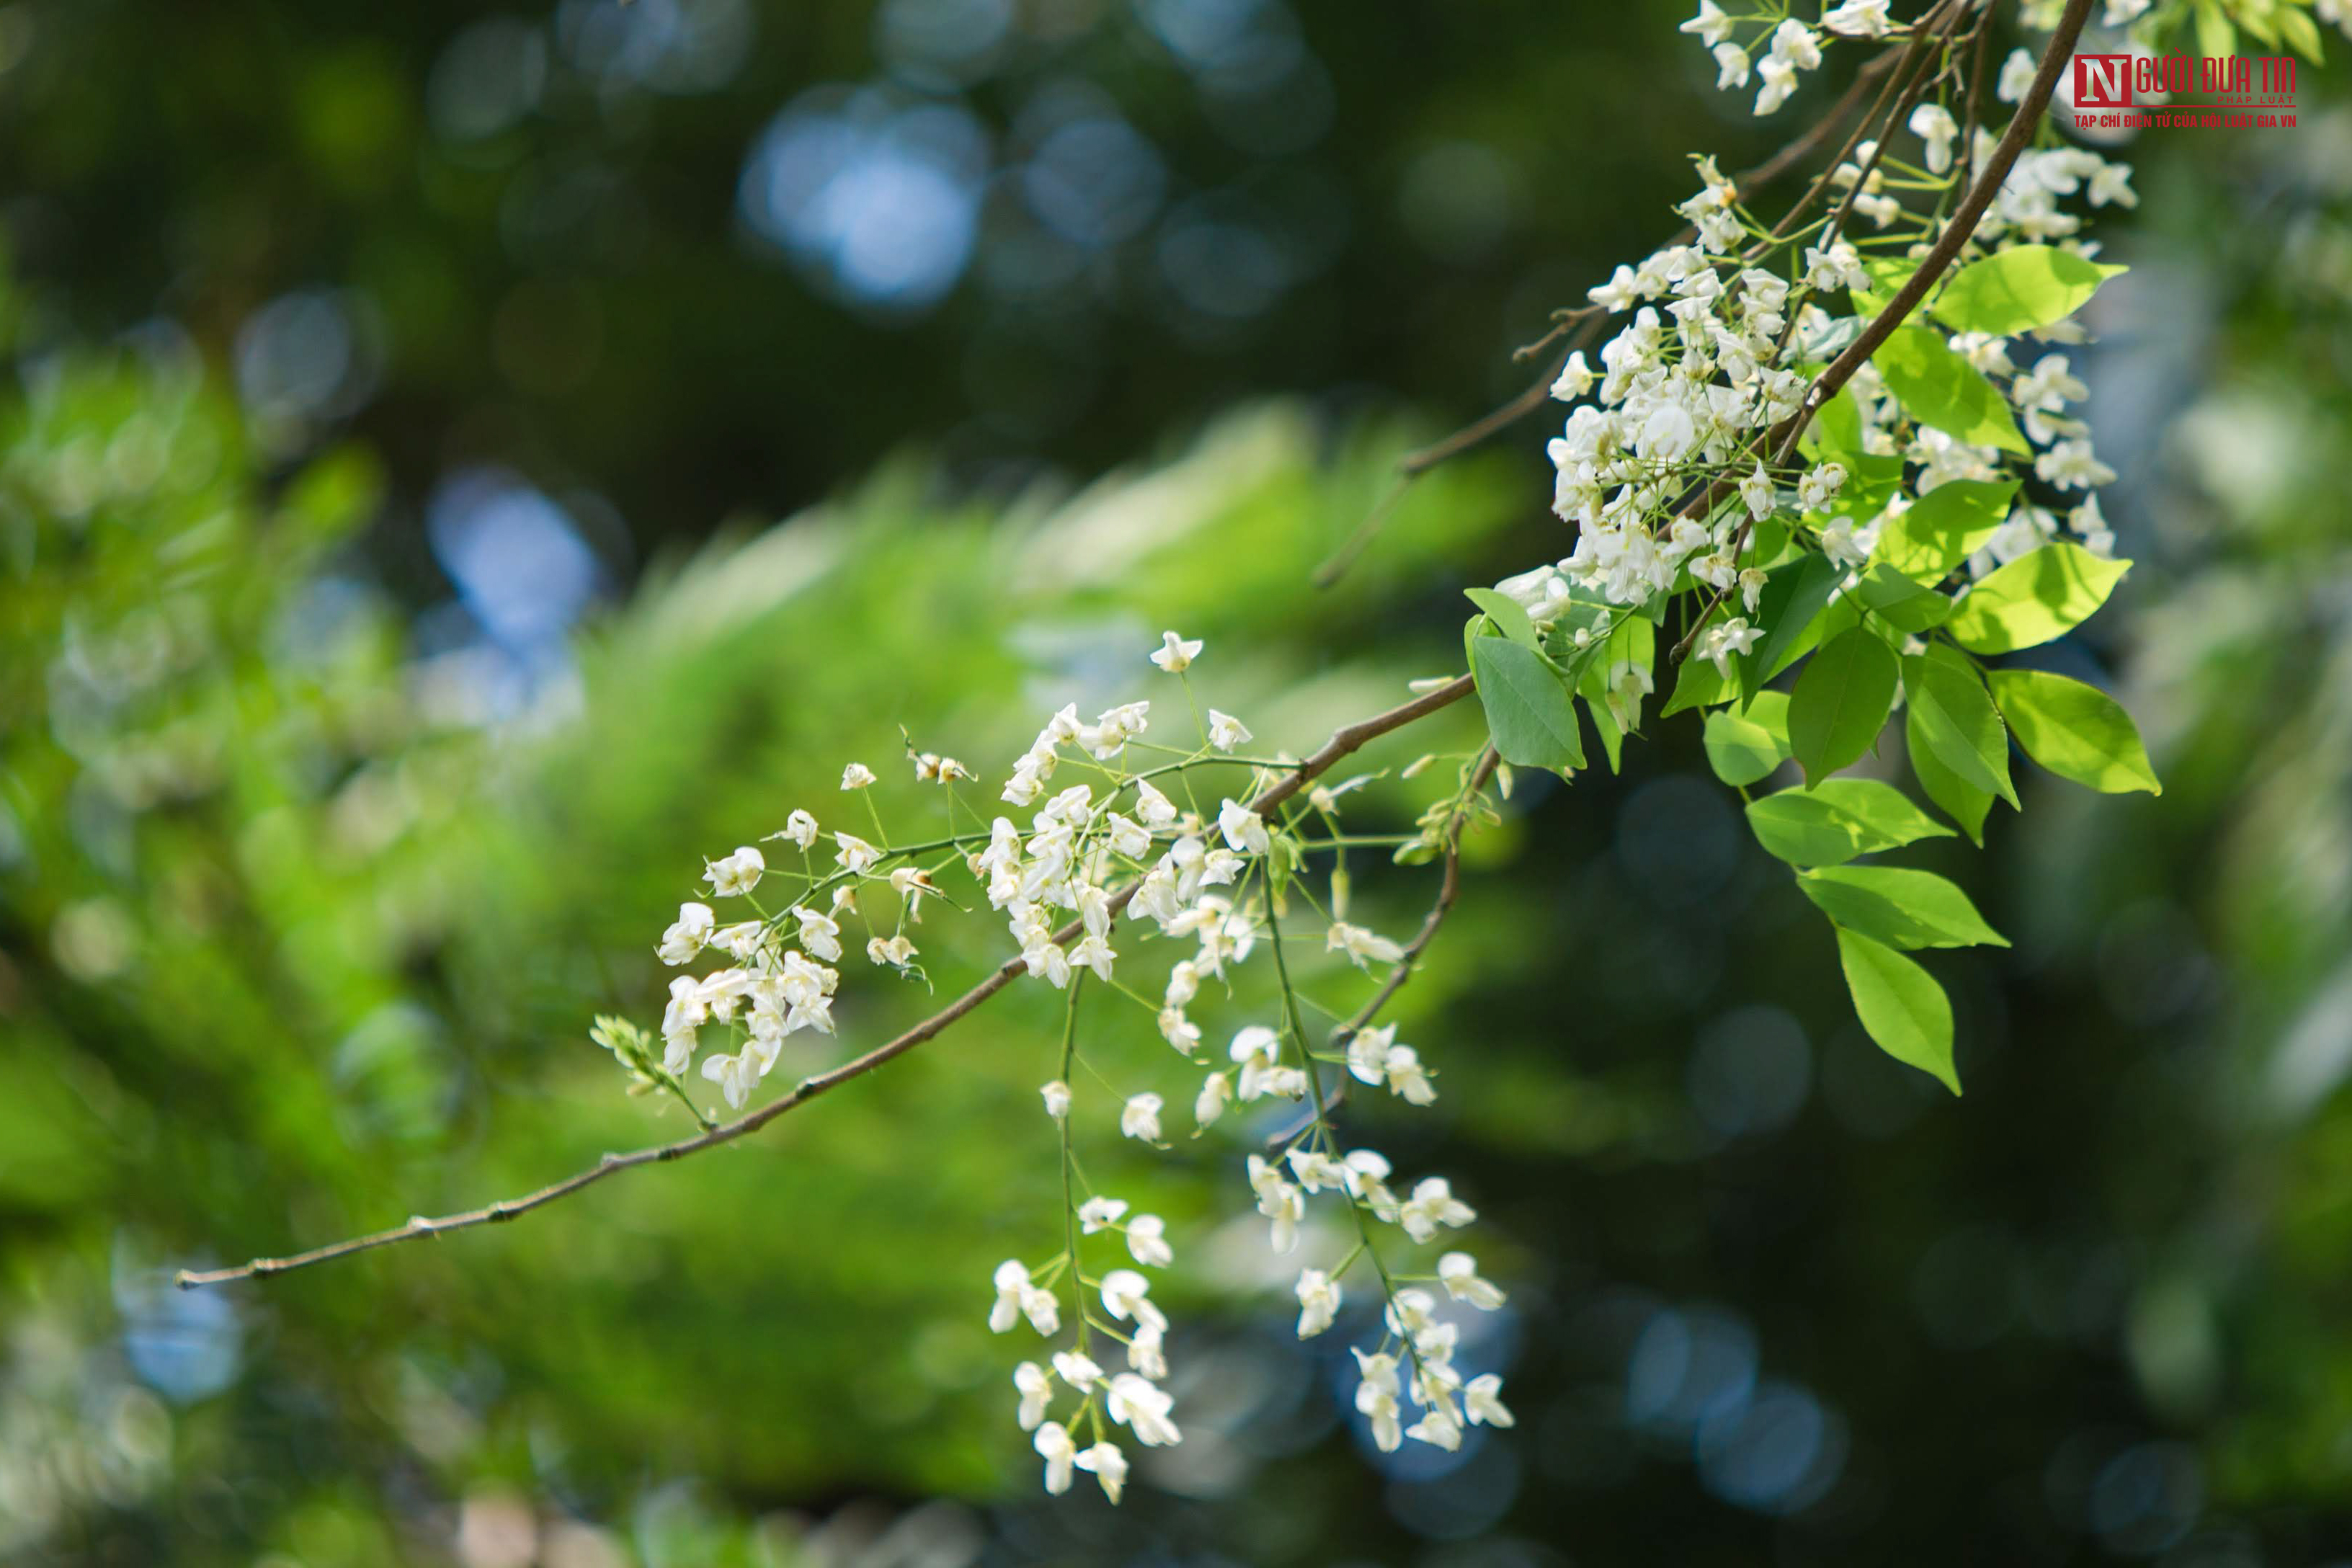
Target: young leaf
1529, 710
1699, 684
1794, 594
1840, 704
2040, 595
1944, 527
1837, 820
1957, 719
1743, 748
1900, 1005
1966, 804
2077, 732
1944, 390
2020, 289
1901, 908
1510, 617
1899, 602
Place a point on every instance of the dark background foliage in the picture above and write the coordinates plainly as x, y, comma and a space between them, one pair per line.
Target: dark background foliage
391, 617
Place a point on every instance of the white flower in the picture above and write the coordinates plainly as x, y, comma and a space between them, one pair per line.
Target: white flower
857, 775
1142, 1408
1109, 1465
1216, 1093
1376, 1397
1794, 42
1278, 1200
2071, 466
855, 855
1432, 1205
2049, 385
1727, 640
1060, 1453
1482, 1396
1017, 1298
1858, 18
1140, 1118
1099, 1213
2113, 183
1458, 1272
1368, 1052
1362, 947
1711, 25
1243, 829
1438, 1427
2122, 12
891, 952
1838, 542
2016, 77
1124, 1296
1155, 809
820, 933
1225, 731
801, 828
1934, 124
1756, 492
1575, 378
686, 934
737, 873
1318, 1301
1079, 1371
1731, 67
1175, 657
1037, 1392
1146, 1241
1407, 1077
1057, 1096
1127, 835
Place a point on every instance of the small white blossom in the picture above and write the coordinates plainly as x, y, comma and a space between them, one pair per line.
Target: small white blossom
1225, 731
1318, 1302
1057, 1096
1433, 1204
854, 854
1458, 1272
1060, 1454
1175, 655
1037, 1392
686, 934
1140, 1118
1109, 1465
1482, 1397
736, 873
857, 775
1146, 1241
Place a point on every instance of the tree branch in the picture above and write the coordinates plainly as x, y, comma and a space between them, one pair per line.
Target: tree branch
1343, 740
1932, 267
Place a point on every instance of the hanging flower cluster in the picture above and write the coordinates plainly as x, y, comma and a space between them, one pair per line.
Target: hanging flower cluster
1116, 840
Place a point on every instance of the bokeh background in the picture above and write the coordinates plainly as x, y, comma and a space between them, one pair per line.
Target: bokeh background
393, 607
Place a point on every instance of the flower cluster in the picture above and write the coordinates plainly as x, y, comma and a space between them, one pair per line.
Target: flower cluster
1116, 842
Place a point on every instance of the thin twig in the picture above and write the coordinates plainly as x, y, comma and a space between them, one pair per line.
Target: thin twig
1343, 740
1449, 888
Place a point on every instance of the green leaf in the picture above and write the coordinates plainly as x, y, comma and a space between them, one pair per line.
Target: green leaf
1840, 704
1794, 594
1899, 906
2215, 36
1944, 528
1944, 390
1901, 602
2040, 595
1510, 617
2077, 732
1966, 804
1837, 820
1529, 710
2017, 290
1900, 1005
1697, 684
1957, 719
1744, 748
1837, 426
2302, 36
